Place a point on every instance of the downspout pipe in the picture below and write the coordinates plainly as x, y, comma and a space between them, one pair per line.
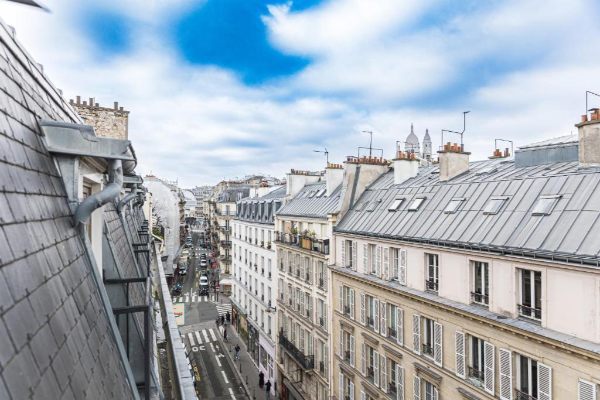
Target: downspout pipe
127, 198
110, 193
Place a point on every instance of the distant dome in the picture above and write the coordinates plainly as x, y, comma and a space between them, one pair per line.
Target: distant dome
412, 141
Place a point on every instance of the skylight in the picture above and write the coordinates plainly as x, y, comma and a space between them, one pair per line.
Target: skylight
359, 206
453, 205
320, 193
494, 205
395, 204
545, 205
416, 203
311, 194
372, 205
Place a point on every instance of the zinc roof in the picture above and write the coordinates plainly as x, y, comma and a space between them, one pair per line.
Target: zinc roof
568, 233
303, 205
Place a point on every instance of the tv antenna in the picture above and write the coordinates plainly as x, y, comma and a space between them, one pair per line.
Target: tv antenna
370, 142
324, 152
459, 133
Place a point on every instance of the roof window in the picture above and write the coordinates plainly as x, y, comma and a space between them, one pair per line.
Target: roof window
416, 204
311, 194
545, 204
453, 205
320, 193
359, 206
373, 205
494, 205
396, 204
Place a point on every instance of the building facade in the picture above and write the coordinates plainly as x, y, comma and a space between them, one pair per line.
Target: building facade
255, 277
473, 280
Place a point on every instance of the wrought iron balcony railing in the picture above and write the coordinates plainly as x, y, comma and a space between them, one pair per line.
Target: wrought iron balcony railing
304, 242
306, 361
530, 312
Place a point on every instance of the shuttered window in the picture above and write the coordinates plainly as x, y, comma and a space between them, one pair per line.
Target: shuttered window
586, 390
459, 340
506, 374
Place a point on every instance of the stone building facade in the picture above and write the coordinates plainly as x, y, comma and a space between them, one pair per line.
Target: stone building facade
107, 122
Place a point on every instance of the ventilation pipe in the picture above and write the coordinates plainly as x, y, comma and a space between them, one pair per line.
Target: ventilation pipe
110, 193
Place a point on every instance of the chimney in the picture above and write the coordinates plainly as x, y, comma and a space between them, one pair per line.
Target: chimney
334, 175
359, 173
589, 139
453, 161
296, 179
406, 166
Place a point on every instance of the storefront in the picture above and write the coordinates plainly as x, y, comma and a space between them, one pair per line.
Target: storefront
267, 360
253, 343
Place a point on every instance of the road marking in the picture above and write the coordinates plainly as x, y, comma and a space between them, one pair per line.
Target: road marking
212, 334
206, 339
218, 362
198, 338
194, 298
186, 298
178, 299
231, 393
191, 339
212, 347
225, 377
194, 349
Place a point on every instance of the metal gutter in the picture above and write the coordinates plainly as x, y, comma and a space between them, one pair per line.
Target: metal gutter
110, 193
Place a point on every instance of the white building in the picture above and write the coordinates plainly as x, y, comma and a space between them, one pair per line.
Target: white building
255, 276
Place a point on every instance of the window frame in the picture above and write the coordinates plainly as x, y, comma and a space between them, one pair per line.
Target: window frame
541, 207
484, 282
454, 205
490, 209
396, 203
416, 203
533, 294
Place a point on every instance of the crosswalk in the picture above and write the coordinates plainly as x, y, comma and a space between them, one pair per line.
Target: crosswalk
197, 338
194, 298
223, 309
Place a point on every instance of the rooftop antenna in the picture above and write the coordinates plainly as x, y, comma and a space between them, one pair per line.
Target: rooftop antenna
462, 146
324, 152
370, 142
587, 92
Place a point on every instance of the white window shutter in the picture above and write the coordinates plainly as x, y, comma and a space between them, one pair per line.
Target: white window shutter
376, 368
352, 350
376, 315
400, 326
435, 394
438, 341
363, 361
399, 382
506, 386
386, 263
354, 255
366, 258
352, 303
343, 253
383, 382
363, 396
351, 394
341, 386
544, 373
416, 388
362, 308
417, 334
459, 340
341, 299
402, 269
341, 345
383, 325
489, 362
587, 390
378, 262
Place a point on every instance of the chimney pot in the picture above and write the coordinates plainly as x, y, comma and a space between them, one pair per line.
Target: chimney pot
120, 108
506, 152
584, 118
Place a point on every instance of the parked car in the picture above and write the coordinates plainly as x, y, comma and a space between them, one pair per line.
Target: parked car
176, 291
203, 263
203, 289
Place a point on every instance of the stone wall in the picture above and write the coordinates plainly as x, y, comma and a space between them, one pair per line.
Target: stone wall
107, 122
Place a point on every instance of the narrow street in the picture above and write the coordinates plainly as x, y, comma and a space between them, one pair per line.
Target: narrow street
213, 367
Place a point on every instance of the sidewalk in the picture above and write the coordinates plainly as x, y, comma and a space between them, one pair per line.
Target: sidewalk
245, 367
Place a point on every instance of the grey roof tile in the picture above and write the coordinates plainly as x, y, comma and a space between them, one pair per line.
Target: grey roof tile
21, 374
43, 347
312, 207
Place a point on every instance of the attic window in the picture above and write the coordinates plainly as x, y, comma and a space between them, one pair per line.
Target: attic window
359, 206
545, 205
416, 204
487, 170
320, 193
373, 205
453, 205
311, 194
494, 205
396, 204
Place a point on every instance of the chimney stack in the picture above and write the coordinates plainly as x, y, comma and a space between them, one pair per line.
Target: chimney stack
406, 165
589, 139
334, 175
453, 161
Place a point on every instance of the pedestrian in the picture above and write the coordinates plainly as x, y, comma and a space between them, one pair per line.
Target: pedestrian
261, 379
225, 333
227, 317
237, 352
218, 320
268, 389
222, 320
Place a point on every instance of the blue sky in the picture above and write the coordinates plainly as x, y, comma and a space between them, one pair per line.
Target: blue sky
224, 88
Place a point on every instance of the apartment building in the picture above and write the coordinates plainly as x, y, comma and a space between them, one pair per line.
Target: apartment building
255, 276
473, 280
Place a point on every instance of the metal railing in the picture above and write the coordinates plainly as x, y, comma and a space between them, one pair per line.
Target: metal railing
304, 242
427, 349
306, 361
530, 312
523, 396
475, 373
392, 332
480, 298
431, 285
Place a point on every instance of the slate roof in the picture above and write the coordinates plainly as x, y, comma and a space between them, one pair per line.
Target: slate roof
569, 233
302, 205
55, 335
231, 195
266, 216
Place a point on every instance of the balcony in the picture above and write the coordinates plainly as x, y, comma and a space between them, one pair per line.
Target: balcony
225, 228
427, 349
303, 242
347, 311
479, 298
431, 285
347, 356
392, 389
226, 244
530, 312
523, 396
475, 373
306, 361
392, 332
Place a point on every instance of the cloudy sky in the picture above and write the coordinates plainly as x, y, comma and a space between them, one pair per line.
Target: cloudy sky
224, 88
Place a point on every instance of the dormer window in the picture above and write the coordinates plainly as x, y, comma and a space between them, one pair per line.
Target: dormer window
396, 204
545, 205
416, 204
453, 205
494, 205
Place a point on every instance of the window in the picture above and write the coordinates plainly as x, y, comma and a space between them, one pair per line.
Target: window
373, 205
431, 392
372, 251
545, 205
432, 272
428, 332
392, 321
453, 206
494, 205
347, 301
481, 284
416, 204
527, 382
349, 248
476, 359
396, 204
531, 294
395, 258
347, 347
